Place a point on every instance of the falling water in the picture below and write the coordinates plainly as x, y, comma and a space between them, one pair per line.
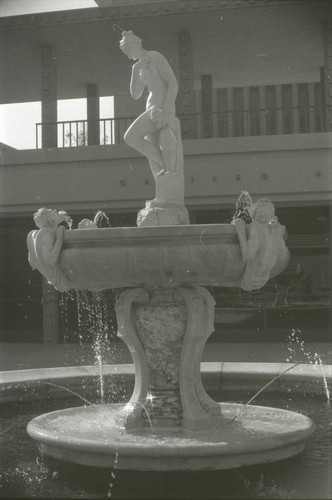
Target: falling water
262, 389
67, 329
296, 345
113, 474
67, 219
97, 329
63, 309
100, 215
146, 413
71, 392
116, 458
80, 312
95, 326
326, 387
101, 378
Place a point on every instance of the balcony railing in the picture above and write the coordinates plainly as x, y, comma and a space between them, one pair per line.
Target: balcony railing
76, 133
245, 123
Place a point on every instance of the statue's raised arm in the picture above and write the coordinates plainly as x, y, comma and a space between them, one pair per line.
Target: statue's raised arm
168, 77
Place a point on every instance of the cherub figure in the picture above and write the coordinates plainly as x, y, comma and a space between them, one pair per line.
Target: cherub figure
262, 244
44, 246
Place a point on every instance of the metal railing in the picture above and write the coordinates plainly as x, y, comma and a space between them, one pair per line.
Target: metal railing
109, 131
320, 240
76, 133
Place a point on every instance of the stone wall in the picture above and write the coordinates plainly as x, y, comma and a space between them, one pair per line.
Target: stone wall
271, 42
290, 170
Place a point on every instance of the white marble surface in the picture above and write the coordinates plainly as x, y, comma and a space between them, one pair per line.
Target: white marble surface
91, 435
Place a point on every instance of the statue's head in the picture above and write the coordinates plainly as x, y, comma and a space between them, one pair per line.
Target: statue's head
46, 217
264, 210
130, 44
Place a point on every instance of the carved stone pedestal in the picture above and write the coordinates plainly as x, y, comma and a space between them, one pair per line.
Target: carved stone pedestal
167, 208
158, 213
166, 330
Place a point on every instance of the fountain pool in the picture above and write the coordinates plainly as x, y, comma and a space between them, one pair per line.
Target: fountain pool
26, 473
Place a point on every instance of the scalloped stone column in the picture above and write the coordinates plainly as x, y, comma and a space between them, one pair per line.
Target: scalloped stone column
166, 329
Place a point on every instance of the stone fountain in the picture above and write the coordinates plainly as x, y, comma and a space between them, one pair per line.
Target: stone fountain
165, 313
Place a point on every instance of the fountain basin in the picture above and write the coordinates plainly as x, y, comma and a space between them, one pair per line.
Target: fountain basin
92, 435
164, 315
98, 259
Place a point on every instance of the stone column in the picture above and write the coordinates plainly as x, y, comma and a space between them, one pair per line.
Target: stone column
50, 314
262, 109
312, 106
230, 112
206, 83
166, 330
49, 96
279, 110
186, 97
330, 253
246, 112
92, 94
327, 75
295, 105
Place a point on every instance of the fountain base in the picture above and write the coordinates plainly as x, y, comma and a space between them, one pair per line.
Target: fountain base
92, 436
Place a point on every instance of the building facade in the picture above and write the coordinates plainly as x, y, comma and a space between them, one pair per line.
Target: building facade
255, 105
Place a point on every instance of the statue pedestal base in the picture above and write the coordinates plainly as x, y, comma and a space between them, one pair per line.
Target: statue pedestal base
167, 208
158, 213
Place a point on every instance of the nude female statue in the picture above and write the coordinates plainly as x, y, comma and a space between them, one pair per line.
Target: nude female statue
156, 132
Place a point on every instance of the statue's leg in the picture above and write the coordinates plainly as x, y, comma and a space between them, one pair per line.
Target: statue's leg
168, 148
135, 137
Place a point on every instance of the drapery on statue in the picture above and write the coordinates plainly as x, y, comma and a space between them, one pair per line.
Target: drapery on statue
262, 241
44, 246
156, 133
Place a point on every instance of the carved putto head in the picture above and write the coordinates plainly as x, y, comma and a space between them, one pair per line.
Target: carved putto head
46, 217
130, 44
264, 210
